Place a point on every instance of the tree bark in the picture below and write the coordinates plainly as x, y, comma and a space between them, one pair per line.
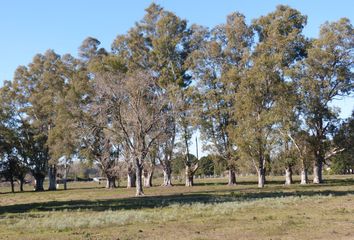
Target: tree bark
189, 177
65, 177
12, 185
21, 184
189, 181
317, 171
261, 172
39, 179
52, 175
304, 176
167, 177
261, 177
139, 182
148, 177
111, 183
232, 177
131, 178
288, 175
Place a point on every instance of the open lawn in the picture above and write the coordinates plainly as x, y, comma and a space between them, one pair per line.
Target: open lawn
209, 210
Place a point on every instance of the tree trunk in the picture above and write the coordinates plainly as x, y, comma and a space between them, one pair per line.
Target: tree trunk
189, 181
12, 185
139, 182
65, 178
261, 172
39, 179
21, 184
189, 177
232, 177
167, 177
148, 177
304, 176
288, 175
111, 183
317, 171
52, 175
131, 178
261, 177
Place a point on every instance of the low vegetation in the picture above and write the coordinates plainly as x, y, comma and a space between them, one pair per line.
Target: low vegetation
209, 210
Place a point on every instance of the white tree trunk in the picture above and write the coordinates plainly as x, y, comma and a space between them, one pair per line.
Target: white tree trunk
139, 182
317, 172
304, 176
131, 178
189, 177
288, 175
167, 178
148, 177
261, 177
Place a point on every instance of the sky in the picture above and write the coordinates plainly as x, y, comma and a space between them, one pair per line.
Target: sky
29, 27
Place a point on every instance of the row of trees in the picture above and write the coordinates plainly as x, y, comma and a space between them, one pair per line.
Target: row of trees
258, 93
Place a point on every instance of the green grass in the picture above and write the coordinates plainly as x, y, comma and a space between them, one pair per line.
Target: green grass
209, 210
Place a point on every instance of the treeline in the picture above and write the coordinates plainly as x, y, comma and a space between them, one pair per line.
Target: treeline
260, 94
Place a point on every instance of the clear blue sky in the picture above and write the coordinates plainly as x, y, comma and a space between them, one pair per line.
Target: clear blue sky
33, 26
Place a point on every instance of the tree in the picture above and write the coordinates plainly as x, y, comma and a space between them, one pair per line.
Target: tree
343, 162
8, 162
161, 44
23, 150
63, 139
38, 89
138, 111
99, 148
261, 88
206, 166
218, 65
326, 73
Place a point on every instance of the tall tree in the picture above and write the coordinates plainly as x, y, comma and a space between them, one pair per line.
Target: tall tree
280, 45
327, 73
218, 65
139, 112
160, 43
39, 88
63, 139
343, 163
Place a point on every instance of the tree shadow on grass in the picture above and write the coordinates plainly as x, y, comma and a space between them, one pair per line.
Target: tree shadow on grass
158, 201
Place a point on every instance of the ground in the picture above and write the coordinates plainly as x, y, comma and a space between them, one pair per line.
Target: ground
209, 210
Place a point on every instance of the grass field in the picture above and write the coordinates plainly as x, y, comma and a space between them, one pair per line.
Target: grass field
209, 210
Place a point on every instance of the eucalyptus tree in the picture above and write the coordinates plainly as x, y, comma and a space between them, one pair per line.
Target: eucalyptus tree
63, 139
218, 65
280, 44
149, 166
139, 113
98, 147
39, 87
325, 75
343, 163
24, 148
8, 161
160, 44
98, 142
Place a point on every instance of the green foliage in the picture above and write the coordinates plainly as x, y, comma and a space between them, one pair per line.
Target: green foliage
326, 73
343, 162
179, 163
206, 166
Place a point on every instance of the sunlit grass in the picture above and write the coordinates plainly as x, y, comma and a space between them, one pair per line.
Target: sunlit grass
210, 210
